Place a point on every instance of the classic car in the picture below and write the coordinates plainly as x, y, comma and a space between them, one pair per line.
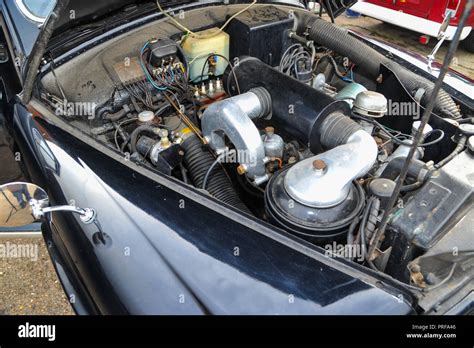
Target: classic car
227, 157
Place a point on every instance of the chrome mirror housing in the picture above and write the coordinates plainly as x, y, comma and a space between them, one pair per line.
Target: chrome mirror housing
24, 203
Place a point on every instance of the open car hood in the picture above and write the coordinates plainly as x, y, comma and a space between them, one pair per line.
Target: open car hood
86, 12
336, 7
80, 12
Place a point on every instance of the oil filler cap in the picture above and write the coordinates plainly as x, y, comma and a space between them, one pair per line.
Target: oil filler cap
382, 188
467, 129
470, 144
371, 104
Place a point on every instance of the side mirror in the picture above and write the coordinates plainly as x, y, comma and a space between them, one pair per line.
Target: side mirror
15, 207
23, 203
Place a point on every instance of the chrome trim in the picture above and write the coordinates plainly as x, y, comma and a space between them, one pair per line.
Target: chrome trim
329, 187
25, 11
14, 235
233, 118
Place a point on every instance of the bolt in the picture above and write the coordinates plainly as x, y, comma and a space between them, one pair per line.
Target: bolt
269, 130
241, 170
165, 142
162, 133
319, 165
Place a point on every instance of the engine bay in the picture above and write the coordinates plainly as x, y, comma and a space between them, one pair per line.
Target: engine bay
281, 115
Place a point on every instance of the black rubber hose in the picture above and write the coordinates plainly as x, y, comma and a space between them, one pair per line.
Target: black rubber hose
411, 187
336, 129
115, 116
265, 99
102, 110
394, 167
350, 233
369, 61
456, 151
137, 131
197, 161
371, 224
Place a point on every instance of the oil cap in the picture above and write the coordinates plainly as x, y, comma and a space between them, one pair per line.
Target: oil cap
467, 129
146, 116
370, 104
470, 144
382, 188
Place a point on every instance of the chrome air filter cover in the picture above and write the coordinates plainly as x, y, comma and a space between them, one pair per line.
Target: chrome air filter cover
317, 225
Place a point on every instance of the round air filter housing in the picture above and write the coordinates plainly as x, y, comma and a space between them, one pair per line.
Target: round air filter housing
317, 225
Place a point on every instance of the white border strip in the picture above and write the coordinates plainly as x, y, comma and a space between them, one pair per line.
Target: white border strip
14, 235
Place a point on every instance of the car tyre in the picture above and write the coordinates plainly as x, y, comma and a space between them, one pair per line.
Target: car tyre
468, 42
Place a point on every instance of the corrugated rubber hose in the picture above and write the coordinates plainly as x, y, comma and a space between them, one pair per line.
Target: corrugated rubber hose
197, 161
369, 60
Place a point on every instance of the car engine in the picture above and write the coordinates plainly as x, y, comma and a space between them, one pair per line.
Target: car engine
284, 116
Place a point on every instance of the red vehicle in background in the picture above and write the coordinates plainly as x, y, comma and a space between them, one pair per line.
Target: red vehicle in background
423, 16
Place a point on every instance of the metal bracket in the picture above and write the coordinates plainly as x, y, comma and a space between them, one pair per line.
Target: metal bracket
87, 215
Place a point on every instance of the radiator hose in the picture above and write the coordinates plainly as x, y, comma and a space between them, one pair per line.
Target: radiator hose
197, 161
369, 60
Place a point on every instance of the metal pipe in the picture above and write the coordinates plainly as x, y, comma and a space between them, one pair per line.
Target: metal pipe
232, 118
324, 180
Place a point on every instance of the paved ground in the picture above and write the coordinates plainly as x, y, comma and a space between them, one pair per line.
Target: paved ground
28, 284
31, 287
463, 61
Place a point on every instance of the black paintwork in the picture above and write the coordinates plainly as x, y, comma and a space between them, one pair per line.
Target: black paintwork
171, 249
158, 250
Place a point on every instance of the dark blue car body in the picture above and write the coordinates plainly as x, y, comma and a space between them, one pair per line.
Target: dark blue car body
170, 249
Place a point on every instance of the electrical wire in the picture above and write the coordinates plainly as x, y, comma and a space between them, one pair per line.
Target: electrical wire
336, 68
456, 151
198, 35
117, 130
292, 55
232, 69
362, 226
396, 140
213, 165
419, 134
186, 120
